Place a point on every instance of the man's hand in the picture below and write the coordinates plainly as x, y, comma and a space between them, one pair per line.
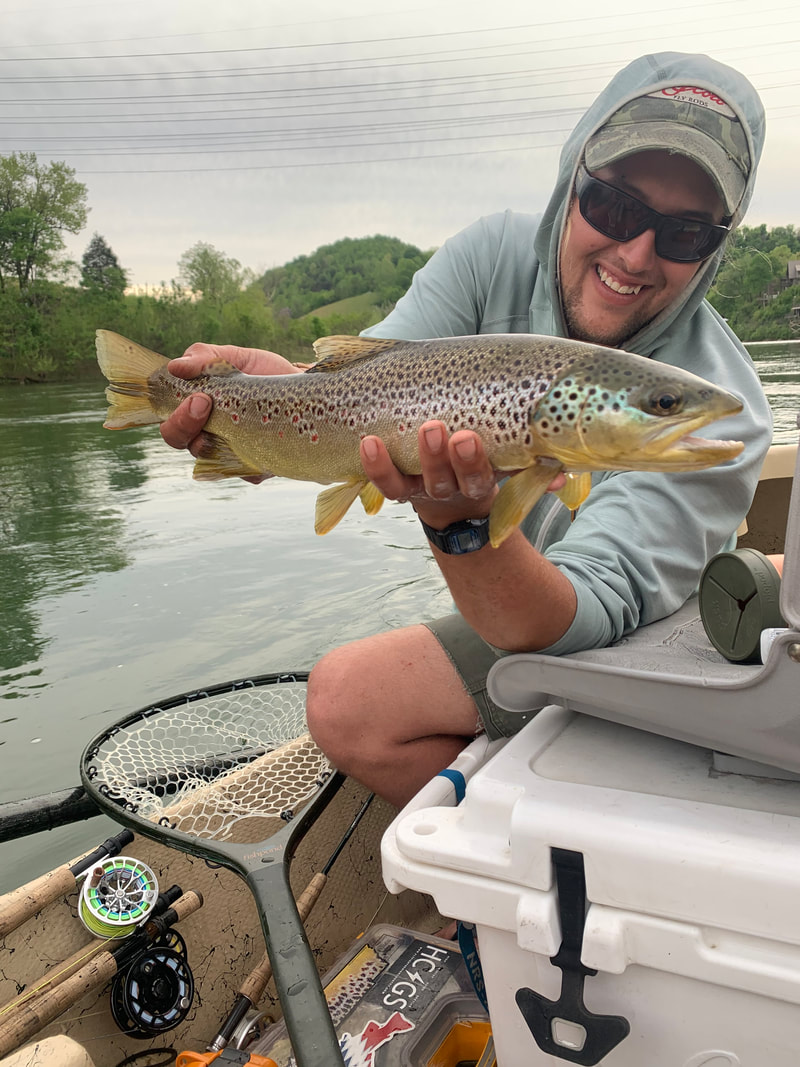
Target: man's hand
457, 479
183, 428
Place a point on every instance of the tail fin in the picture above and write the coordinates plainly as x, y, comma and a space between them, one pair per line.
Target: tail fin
128, 367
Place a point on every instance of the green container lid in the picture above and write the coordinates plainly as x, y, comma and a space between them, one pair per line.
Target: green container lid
739, 597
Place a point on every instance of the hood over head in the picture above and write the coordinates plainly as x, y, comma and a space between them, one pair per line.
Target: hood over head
688, 104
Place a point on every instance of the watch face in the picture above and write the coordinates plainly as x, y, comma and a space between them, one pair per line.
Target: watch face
469, 539
460, 537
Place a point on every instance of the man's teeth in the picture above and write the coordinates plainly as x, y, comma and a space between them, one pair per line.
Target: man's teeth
606, 279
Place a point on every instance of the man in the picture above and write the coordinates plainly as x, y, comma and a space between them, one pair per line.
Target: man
650, 183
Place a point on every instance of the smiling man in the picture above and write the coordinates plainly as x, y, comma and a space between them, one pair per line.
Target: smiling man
655, 176
610, 289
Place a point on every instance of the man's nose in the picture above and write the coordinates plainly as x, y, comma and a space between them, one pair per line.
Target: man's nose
639, 253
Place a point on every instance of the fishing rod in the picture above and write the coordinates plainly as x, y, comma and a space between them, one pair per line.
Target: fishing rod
23, 903
58, 974
30, 1018
252, 989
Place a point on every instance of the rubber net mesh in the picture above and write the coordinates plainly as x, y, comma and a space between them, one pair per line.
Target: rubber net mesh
220, 766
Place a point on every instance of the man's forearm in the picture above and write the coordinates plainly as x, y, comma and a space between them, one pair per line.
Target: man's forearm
511, 595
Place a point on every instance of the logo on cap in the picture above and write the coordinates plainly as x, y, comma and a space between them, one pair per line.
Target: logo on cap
691, 94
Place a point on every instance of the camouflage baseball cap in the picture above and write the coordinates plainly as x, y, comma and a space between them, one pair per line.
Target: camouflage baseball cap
691, 121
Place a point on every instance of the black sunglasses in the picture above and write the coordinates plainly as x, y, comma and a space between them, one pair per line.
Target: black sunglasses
622, 217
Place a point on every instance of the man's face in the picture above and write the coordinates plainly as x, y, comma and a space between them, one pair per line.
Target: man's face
610, 289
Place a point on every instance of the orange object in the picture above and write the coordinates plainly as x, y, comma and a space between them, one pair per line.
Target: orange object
466, 1040
198, 1059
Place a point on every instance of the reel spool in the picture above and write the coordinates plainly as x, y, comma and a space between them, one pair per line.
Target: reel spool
117, 895
171, 939
153, 995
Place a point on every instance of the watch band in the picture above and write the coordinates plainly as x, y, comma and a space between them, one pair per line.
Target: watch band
467, 535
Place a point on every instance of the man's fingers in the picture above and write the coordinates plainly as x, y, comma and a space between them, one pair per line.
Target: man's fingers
197, 357
437, 471
383, 474
188, 366
187, 421
474, 473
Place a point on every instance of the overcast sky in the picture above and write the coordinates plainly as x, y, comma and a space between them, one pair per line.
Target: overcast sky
268, 129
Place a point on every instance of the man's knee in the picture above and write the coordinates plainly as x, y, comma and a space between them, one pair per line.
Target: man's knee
328, 706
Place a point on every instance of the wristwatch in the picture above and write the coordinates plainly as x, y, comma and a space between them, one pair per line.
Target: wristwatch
467, 535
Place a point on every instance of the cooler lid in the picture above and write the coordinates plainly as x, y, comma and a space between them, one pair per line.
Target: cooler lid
661, 831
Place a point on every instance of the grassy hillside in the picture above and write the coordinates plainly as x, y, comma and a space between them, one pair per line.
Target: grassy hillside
381, 266
351, 305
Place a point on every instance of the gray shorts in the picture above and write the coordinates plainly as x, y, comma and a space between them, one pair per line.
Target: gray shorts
472, 659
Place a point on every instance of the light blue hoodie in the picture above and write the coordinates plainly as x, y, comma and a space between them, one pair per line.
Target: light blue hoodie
638, 545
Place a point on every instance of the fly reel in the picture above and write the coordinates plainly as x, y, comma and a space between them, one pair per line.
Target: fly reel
117, 895
154, 994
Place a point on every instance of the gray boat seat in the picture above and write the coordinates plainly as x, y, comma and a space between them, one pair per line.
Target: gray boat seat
669, 679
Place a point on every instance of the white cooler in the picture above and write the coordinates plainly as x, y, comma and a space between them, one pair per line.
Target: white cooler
691, 896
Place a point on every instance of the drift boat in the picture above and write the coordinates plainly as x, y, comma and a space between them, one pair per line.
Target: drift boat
153, 946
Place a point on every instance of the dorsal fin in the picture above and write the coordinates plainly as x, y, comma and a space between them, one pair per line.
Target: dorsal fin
343, 351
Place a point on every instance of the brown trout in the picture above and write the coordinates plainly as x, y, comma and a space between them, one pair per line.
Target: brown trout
539, 404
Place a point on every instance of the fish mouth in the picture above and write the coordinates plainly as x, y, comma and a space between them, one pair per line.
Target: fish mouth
672, 443
695, 453
668, 445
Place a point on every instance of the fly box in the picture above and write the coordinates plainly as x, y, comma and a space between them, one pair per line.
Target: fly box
398, 999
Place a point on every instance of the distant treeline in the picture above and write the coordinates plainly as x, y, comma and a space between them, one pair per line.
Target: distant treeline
47, 328
752, 289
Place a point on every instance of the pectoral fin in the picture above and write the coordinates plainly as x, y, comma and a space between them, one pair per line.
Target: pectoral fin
333, 503
516, 498
218, 460
576, 490
371, 498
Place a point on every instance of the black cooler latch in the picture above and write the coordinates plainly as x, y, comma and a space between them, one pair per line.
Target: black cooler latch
565, 1028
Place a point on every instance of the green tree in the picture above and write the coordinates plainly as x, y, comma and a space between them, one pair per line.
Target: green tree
212, 274
100, 269
350, 267
38, 203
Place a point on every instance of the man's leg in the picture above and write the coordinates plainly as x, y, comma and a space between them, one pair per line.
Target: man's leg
391, 711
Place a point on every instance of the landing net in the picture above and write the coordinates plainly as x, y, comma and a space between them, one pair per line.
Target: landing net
214, 765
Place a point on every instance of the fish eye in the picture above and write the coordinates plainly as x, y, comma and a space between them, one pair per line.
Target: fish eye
663, 402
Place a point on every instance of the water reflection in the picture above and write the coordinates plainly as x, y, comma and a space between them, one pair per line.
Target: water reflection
57, 526
778, 367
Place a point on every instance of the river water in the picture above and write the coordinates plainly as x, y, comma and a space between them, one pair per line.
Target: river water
123, 581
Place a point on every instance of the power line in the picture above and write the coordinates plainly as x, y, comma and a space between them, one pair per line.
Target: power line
378, 40
329, 163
